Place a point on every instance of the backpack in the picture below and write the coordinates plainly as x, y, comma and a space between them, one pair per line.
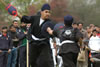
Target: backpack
68, 34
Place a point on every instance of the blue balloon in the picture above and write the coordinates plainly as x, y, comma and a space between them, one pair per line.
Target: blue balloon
11, 10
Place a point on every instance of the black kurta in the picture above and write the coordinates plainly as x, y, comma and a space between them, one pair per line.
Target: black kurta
39, 49
35, 28
69, 51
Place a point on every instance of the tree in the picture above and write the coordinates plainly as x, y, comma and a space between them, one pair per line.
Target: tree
85, 10
59, 9
24, 7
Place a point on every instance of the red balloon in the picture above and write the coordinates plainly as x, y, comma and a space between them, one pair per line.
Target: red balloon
11, 10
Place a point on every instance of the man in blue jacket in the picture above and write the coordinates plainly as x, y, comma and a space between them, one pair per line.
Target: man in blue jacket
5, 47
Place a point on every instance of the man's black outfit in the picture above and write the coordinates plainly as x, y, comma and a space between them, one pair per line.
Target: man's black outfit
69, 38
39, 46
69, 50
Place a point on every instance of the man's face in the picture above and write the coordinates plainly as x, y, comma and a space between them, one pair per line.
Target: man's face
94, 33
45, 14
74, 25
4, 30
15, 24
80, 26
89, 30
13, 29
28, 25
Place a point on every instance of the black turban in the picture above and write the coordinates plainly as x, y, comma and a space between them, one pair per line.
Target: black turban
68, 20
45, 7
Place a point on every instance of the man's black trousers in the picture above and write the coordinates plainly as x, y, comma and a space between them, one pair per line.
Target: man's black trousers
40, 54
69, 59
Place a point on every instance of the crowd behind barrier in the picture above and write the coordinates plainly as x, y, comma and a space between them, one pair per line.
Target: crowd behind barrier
17, 37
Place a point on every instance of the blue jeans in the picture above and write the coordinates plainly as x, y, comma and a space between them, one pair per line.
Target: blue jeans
12, 58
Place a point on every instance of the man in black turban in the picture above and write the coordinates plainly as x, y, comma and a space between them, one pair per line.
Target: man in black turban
39, 44
69, 38
69, 43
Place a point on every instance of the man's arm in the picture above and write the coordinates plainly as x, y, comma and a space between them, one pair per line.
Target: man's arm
25, 19
19, 15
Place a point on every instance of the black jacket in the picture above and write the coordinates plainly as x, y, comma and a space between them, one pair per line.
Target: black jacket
35, 29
